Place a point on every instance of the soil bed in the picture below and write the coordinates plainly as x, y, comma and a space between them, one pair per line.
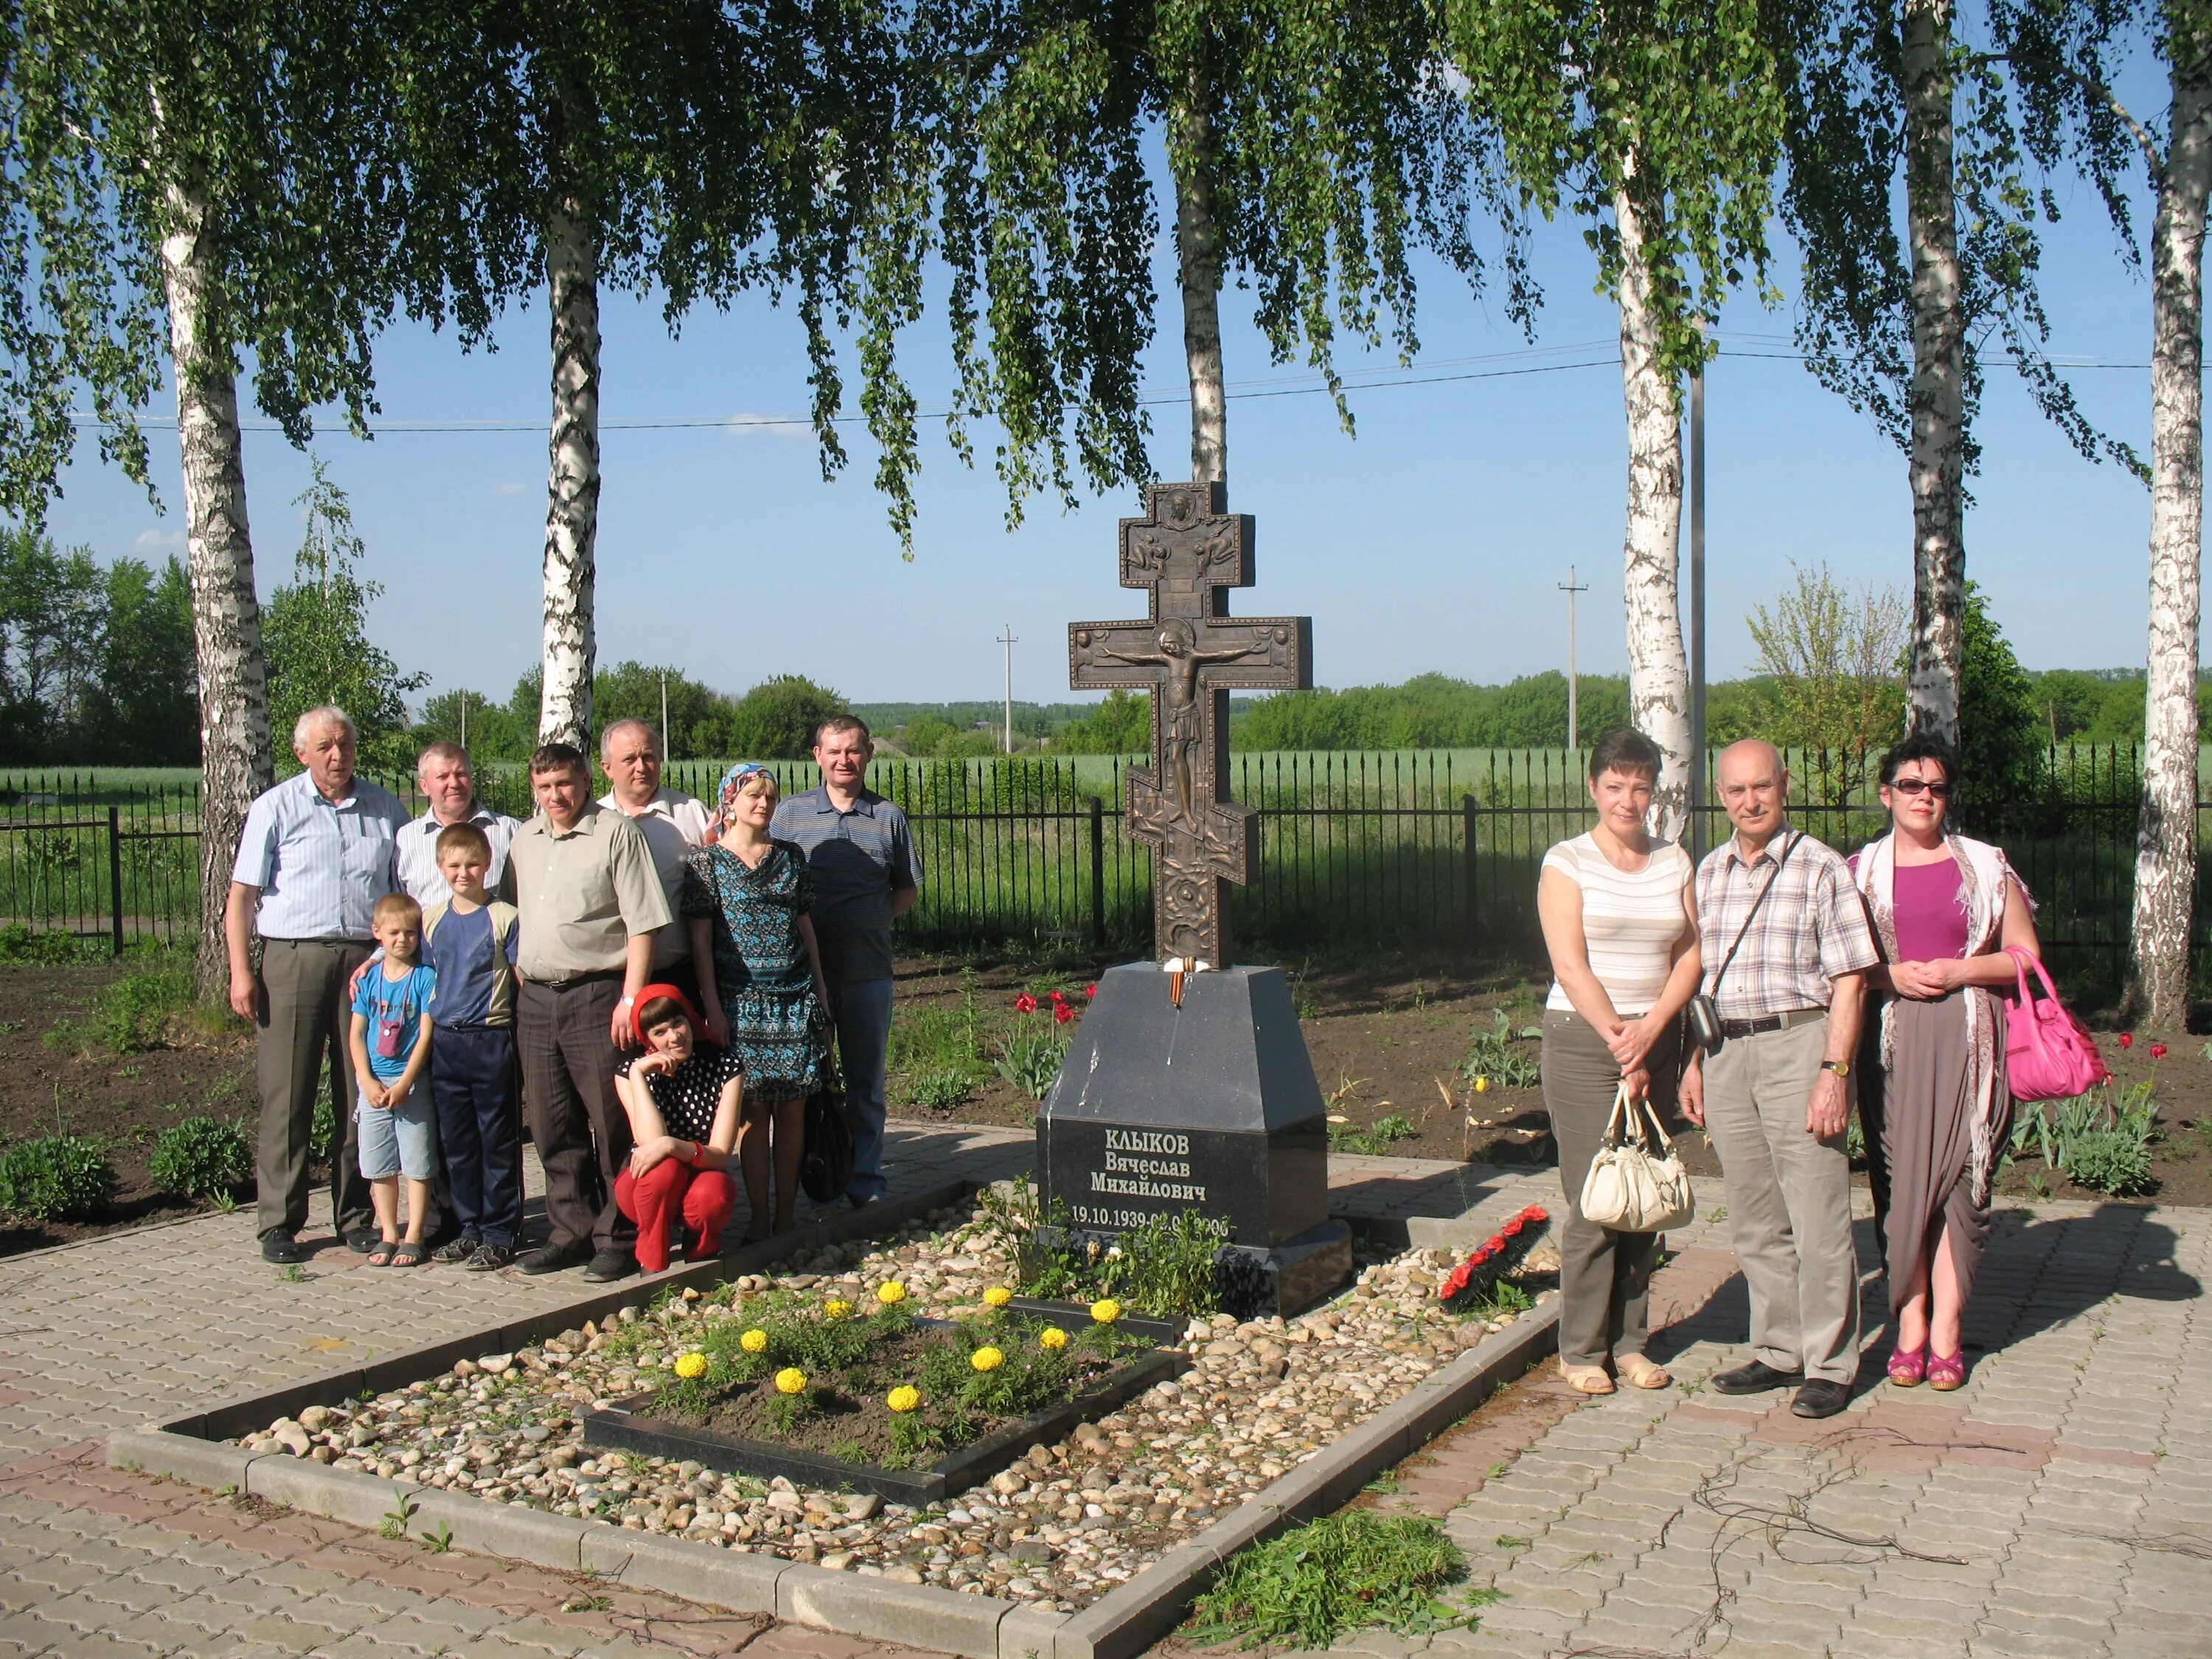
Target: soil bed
59, 1077
1391, 1035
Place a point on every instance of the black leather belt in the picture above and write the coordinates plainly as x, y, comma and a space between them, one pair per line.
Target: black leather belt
577, 981
1744, 1027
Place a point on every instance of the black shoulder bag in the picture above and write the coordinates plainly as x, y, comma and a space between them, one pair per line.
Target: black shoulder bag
1705, 1009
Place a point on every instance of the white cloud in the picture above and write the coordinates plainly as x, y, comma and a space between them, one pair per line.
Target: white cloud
509, 488
160, 544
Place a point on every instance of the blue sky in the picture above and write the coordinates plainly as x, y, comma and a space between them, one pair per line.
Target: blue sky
1436, 540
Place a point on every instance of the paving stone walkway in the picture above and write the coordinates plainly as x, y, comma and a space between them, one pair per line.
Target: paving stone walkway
2059, 1504
120, 1330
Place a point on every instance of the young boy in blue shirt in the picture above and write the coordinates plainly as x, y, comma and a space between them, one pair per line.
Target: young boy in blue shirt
391, 1044
470, 939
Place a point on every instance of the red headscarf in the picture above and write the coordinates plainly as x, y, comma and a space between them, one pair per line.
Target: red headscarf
654, 992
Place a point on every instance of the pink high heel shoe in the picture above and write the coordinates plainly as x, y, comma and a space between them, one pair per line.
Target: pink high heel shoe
1908, 1367
1946, 1371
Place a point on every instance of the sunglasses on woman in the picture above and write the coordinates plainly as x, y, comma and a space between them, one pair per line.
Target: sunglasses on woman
1936, 788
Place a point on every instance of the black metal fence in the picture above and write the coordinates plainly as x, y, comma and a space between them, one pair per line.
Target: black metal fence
1406, 847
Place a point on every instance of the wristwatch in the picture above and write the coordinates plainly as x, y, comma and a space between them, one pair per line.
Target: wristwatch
1840, 1067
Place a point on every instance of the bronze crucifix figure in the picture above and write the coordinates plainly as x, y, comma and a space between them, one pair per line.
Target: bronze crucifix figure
1187, 550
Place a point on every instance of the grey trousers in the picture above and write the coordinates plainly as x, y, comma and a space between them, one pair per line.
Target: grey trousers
305, 1021
861, 1011
1790, 1201
1605, 1277
576, 1121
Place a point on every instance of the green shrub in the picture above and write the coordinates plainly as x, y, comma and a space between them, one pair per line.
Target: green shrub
201, 1157
1496, 1054
936, 1091
1314, 1583
49, 948
132, 1015
55, 1178
1376, 1139
2112, 1161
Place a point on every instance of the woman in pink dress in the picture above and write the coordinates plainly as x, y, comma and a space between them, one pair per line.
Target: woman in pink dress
1936, 1110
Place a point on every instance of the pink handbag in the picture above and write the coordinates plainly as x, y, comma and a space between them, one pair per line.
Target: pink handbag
2049, 1054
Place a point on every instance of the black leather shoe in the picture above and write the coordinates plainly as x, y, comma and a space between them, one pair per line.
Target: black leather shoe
361, 1240
1756, 1378
1821, 1398
555, 1258
278, 1245
610, 1264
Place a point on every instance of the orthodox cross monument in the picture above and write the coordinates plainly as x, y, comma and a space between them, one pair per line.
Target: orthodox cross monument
1191, 1090
1187, 551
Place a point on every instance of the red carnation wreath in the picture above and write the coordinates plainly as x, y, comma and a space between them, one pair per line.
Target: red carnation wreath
1496, 1256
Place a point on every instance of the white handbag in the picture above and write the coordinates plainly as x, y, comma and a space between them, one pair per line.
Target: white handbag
1630, 1188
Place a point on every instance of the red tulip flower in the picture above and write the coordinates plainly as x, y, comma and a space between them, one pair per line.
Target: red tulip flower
1062, 1013
1090, 992
1026, 1004
2158, 1051
2126, 1039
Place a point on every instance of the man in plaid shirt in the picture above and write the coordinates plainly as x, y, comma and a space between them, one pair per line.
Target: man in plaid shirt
1776, 1094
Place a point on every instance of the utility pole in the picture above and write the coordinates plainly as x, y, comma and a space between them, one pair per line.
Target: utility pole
465, 720
1010, 639
664, 753
1570, 588
1697, 802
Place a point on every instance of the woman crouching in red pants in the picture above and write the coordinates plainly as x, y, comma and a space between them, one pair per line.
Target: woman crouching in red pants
681, 1096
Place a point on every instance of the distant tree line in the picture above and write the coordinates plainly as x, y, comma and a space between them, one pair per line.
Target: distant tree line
95, 660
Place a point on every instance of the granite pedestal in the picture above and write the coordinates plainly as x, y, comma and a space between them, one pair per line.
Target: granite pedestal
1212, 1107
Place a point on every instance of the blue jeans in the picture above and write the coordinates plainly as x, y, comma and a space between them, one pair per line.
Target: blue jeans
862, 1013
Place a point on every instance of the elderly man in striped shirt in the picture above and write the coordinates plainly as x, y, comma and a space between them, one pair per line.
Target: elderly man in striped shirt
318, 851
1781, 923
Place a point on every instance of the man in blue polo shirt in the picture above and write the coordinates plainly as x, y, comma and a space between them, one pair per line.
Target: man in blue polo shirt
861, 855
318, 851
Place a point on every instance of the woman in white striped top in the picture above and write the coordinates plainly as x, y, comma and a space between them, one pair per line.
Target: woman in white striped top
1622, 930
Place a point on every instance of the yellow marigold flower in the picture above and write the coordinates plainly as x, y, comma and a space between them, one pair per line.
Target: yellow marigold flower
987, 1359
836, 1308
997, 1296
891, 1293
790, 1380
754, 1340
1482, 1086
689, 1366
1106, 1310
904, 1398
1053, 1338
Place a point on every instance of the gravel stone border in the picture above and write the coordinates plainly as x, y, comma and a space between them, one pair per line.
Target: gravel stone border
1122, 1620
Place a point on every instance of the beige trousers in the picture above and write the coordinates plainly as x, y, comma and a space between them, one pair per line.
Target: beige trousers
1790, 1201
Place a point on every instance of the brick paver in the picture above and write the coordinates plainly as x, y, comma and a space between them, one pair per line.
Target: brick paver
2059, 1504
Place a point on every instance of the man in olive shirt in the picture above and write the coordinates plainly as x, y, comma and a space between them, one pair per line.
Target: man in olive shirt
591, 902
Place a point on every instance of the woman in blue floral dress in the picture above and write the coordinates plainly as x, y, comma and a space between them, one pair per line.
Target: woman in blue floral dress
745, 901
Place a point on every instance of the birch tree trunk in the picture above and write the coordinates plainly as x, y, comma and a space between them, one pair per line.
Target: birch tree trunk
1197, 247
2166, 837
1938, 390
233, 685
1658, 666
572, 505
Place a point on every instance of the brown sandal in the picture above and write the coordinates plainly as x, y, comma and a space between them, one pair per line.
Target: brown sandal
1639, 1373
1586, 1379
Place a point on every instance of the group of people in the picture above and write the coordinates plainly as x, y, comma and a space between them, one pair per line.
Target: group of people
658, 988
1827, 975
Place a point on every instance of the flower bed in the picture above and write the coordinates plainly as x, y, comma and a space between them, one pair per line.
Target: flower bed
1069, 1518
816, 1390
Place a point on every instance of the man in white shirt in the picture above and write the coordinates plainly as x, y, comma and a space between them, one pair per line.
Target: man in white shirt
672, 823
446, 779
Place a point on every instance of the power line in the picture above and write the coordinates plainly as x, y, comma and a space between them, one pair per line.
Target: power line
1502, 366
